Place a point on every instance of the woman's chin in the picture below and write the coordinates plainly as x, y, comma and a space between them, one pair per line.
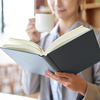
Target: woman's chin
60, 17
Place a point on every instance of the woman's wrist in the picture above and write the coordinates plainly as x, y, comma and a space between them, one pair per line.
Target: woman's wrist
83, 88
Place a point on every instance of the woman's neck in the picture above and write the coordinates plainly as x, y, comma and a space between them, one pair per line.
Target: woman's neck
65, 25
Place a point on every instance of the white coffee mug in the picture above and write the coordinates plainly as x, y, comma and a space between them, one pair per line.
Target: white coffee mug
44, 22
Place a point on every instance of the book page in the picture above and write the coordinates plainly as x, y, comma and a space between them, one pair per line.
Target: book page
23, 48
24, 45
24, 42
66, 38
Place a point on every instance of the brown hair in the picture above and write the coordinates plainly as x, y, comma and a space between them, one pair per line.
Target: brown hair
79, 9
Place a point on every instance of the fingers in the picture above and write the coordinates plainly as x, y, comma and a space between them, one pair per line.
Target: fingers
31, 21
33, 34
49, 75
72, 82
67, 75
30, 27
57, 78
64, 81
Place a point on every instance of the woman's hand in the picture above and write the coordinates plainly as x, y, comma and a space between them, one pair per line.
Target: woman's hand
32, 32
70, 81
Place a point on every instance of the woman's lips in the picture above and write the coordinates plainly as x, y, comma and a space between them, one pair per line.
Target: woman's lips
59, 11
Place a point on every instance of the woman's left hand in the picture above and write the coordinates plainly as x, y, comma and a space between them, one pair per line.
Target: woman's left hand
71, 81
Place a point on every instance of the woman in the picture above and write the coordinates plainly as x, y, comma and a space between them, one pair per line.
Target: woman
86, 84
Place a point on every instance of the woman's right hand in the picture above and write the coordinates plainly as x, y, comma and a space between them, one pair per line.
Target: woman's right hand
34, 35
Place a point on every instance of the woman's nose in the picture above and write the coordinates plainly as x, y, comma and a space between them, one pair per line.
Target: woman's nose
57, 3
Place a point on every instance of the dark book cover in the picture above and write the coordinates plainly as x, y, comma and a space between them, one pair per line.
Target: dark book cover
77, 55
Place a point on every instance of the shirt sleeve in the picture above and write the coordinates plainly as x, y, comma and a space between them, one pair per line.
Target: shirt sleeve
30, 82
93, 90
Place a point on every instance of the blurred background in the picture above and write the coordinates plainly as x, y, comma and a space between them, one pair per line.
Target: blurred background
14, 15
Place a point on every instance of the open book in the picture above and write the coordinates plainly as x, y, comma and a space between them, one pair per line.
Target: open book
28, 46
72, 52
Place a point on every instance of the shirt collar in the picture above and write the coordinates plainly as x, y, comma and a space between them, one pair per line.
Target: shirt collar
55, 29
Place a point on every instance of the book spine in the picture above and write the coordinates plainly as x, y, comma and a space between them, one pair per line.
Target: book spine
51, 63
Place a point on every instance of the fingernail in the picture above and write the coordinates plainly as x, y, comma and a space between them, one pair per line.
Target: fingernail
44, 74
48, 72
